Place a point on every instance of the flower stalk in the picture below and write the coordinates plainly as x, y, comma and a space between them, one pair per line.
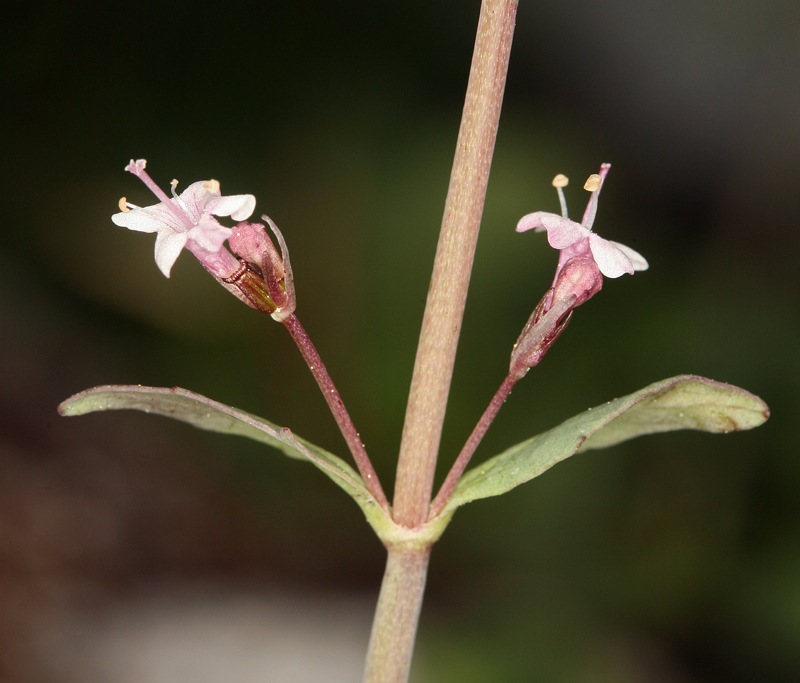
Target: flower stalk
336, 405
471, 445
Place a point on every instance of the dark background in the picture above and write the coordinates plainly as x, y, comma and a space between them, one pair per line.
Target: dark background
669, 558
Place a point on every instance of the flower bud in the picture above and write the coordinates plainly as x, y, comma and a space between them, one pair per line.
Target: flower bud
265, 277
251, 242
579, 280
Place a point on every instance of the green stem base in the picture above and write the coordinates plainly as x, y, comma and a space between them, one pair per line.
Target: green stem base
394, 629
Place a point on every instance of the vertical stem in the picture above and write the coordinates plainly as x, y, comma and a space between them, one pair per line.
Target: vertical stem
444, 310
394, 629
336, 405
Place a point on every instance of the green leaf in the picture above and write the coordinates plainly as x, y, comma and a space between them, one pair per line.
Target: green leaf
204, 413
684, 402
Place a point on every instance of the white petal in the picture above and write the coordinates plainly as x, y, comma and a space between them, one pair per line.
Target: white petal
168, 246
562, 232
237, 206
147, 219
611, 260
193, 200
637, 260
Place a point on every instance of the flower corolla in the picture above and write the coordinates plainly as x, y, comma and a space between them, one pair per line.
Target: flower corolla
577, 239
186, 220
583, 260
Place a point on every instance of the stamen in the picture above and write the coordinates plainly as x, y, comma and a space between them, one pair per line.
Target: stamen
593, 183
559, 182
211, 185
173, 184
591, 211
123, 205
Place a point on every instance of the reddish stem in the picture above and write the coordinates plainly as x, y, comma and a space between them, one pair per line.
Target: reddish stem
472, 443
336, 405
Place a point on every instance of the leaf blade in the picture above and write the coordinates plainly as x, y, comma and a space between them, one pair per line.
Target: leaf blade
178, 404
683, 402
205, 413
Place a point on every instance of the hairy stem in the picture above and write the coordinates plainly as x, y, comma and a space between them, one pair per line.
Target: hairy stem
447, 295
336, 405
394, 629
472, 443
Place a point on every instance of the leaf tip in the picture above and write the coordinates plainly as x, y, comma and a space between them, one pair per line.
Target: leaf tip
69, 406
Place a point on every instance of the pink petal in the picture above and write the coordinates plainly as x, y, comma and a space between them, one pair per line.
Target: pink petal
193, 200
562, 232
209, 235
637, 260
168, 246
533, 220
611, 260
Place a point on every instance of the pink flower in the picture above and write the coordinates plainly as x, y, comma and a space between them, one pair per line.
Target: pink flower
187, 220
577, 239
583, 260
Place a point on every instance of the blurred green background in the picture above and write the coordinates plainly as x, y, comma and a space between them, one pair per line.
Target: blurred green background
669, 558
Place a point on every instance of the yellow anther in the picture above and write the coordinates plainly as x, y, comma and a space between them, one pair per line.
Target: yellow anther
211, 185
174, 183
593, 183
560, 180
123, 205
